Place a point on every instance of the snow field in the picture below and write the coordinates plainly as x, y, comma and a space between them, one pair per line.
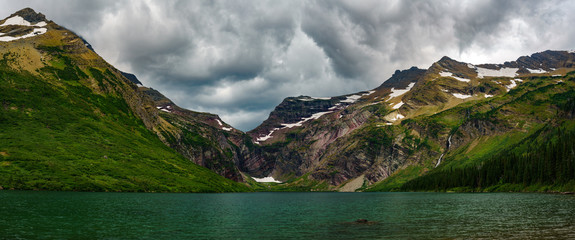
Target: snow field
19, 21
503, 72
449, 74
399, 92
266, 179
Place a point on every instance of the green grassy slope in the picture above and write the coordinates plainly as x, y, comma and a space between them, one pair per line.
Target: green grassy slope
67, 127
519, 141
543, 162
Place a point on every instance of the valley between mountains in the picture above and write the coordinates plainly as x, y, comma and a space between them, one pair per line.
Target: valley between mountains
71, 121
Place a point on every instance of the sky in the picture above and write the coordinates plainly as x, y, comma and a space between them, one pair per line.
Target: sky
239, 59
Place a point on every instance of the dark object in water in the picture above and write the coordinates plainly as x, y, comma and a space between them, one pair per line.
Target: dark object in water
364, 221
361, 221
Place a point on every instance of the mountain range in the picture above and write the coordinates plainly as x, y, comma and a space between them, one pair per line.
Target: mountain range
71, 121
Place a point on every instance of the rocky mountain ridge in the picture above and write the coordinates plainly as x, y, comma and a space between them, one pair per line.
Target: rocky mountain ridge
371, 135
418, 123
29, 15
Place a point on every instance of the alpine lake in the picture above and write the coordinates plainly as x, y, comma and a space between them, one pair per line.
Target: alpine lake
87, 215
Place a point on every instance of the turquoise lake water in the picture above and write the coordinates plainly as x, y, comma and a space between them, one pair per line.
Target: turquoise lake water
73, 215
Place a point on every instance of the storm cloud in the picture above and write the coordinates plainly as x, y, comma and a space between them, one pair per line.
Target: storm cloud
239, 59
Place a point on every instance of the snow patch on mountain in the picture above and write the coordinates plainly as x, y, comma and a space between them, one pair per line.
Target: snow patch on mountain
510, 86
266, 137
299, 124
222, 125
334, 107
394, 116
35, 32
445, 74
513, 84
19, 21
503, 72
536, 70
309, 99
396, 106
399, 92
398, 116
165, 109
449, 74
351, 99
266, 179
354, 98
291, 125
461, 96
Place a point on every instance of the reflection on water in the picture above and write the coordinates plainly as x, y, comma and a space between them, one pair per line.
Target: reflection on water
66, 215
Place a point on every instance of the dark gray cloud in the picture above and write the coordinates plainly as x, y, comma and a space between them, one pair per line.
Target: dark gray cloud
240, 58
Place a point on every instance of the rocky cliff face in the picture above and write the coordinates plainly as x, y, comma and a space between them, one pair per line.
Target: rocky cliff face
30, 15
419, 120
416, 118
200, 137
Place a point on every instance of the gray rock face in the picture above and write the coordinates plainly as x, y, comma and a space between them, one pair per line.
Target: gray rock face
353, 139
30, 15
401, 79
131, 77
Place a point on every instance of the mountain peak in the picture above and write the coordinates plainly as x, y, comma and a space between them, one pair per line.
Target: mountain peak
401, 79
445, 58
30, 15
23, 24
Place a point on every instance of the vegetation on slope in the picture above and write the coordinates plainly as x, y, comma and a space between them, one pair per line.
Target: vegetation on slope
545, 162
70, 121
520, 141
66, 127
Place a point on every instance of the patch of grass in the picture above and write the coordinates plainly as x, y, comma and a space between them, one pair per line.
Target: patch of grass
66, 137
487, 146
395, 181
